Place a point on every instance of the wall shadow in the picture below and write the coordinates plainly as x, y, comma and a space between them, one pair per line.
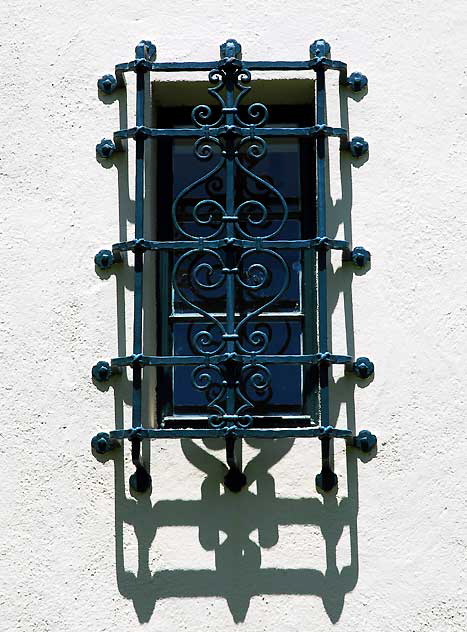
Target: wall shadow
238, 574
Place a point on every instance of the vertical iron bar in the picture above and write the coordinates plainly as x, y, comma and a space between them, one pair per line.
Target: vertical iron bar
307, 152
235, 479
139, 226
322, 254
166, 155
327, 479
230, 260
139, 479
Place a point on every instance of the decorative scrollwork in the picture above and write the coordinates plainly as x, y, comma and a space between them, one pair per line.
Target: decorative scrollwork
256, 275
196, 210
258, 114
202, 273
204, 212
204, 339
255, 146
204, 148
254, 212
202, 379
201, 115
255, 377
218, 78
258, 339
260, 274
279, 197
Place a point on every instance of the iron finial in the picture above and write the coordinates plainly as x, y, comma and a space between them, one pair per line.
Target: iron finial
357, 81
358, 146
231, 48
105, 259
107, 84
365, 441
363, 368
103, 371
360, 256
320, 48
146, 50
105, 148
103, 443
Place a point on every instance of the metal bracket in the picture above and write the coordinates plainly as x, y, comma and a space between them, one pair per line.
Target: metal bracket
231, 48
146, 50
359, 256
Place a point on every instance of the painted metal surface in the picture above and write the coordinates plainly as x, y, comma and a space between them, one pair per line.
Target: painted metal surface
221, 249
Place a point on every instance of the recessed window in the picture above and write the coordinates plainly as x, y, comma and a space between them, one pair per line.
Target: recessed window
273, 289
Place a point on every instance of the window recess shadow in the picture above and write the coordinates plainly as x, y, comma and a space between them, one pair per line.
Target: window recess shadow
239, 575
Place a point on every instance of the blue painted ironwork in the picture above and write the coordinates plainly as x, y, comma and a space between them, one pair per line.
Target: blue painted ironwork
360, 257
357, 81
107, 84
103, 443
364, 441
105, 259
219, 249
105, 148
102, 371
363, 368
358, 147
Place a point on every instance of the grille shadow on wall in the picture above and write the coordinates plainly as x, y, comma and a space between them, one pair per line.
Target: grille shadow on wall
238, 574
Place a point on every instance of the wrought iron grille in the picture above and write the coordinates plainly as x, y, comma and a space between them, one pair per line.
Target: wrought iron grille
230, 245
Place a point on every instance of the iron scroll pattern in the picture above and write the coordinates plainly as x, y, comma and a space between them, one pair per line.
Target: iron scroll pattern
229, 244
232, 353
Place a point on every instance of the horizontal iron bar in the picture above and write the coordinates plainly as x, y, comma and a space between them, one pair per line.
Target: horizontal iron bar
232, 431
193, 316
214, 132
280, 420
259, 244
242, 358
193, 66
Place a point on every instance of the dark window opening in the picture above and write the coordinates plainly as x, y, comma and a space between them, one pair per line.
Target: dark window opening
287, 325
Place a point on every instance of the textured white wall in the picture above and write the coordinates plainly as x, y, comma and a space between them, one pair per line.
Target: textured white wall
388, 553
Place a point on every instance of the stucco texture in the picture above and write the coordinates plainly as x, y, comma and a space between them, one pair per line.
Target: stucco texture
388, 551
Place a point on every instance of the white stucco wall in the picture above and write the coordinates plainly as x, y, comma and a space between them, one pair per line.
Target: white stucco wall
386, 554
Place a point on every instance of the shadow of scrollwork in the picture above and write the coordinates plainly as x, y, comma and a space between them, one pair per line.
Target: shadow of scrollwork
239, 575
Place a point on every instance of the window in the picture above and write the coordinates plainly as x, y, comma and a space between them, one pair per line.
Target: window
273, 194
241, 254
